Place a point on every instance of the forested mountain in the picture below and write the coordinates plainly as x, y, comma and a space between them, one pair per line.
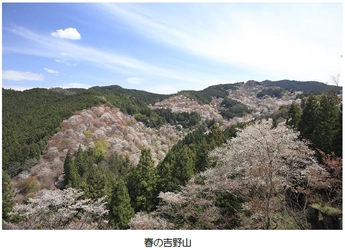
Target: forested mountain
191, 160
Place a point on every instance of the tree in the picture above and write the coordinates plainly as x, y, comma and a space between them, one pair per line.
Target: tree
261, 164
81, 162
184, 167
96, 183
328, 122
60, 209
321, 123
7, 195
121, 210
67, 167
143, 221
310, 119
142, 182
71, 177
294, 115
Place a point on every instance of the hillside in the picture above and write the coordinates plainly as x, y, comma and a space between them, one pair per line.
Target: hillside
116, 130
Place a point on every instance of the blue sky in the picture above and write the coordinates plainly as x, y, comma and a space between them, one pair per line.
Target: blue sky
164, 48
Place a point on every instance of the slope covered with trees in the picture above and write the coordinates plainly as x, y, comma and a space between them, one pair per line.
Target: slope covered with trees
234, 156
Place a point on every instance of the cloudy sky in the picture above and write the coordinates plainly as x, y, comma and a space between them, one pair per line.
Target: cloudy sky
164, 48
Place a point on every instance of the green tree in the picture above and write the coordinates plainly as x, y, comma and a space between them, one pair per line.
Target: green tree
321, 124
184, 168
216, 137
294, 115
142, 182
328, 122
121, 210
71, 178
166, 182
7, 195
68, 165
310, 119
202, 159
81, 162
96, 183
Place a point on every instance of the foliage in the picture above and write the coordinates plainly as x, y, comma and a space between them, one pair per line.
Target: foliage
260, 164
96, 183
121, 210
263, 178
321, 122
144, 96
205, 96
306, 86
294, 116
141, 183
232, 108
143, 221
56, 209
31, 117
326, 184
189, 157
7, 195
270, 92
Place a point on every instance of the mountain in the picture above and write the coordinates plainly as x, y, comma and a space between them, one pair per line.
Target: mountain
153, 143
32, 117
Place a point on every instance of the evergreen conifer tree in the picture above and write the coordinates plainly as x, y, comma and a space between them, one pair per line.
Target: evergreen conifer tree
184, 168
121, 210
68, 165
142, 183
7, 195
81, 162
96, 183
294, 115
310, 119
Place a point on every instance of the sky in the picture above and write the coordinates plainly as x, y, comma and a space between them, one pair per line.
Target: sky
168, 47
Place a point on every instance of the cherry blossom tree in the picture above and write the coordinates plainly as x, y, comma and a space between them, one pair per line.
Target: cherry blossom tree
261, 164
60, 209
143, 221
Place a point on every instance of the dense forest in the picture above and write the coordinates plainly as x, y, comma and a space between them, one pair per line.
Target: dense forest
278, 170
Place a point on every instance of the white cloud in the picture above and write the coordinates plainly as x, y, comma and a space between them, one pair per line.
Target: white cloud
163, 89
67, 63
270, 40
135, 80
51, 71
69, 33
13, 75
75, 85
40, 45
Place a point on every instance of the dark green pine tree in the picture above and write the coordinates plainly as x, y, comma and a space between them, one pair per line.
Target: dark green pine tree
338, 136
216, 137
184, 168
96, 183
294, 115
7, 195
71, 178
165, 181
81, 162
202, 159
310, 119
142, 183
68, 165
121, 210
328, 126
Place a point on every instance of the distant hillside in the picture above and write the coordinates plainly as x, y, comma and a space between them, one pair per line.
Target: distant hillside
205, 96
221, 90
308, 86
147, 97
144, 152
31, 117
